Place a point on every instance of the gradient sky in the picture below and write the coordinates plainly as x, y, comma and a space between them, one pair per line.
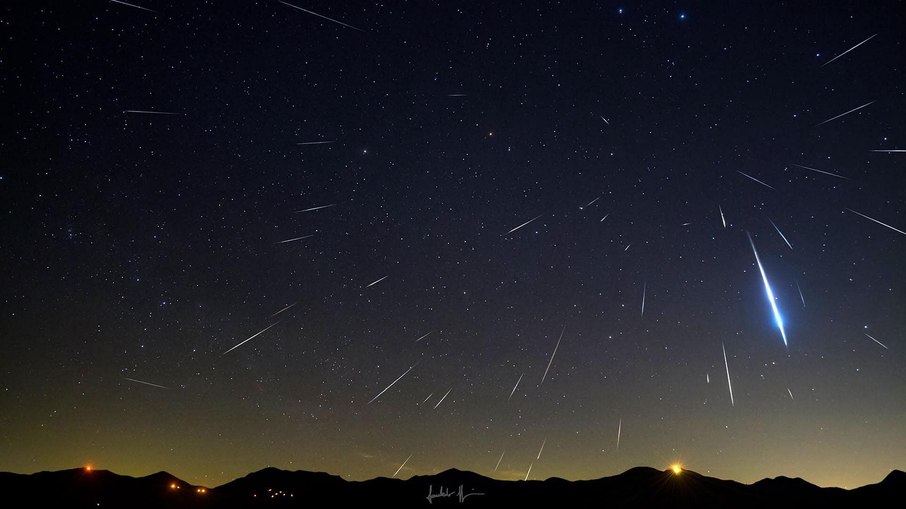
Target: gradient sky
138, 248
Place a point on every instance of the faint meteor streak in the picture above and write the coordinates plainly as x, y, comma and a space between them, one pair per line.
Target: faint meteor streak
589, 204
729, 384
790, 393
376, 282
499, 460
782, 236
150, 112
529, 471
644, 292
857, 108
253, 336
523, 224
769, 292
820, 171
879, 222
401, 466
423, 337
876, 341
627, 247
755, 179
603, 218
847, 51
723, 220
604, 119
619, 432
282, 310
392, 384
802, 297
314, 142
542, 449
145, 383
457, 95
426, 399
890, 150
514, 387
294, 239
133, 5
707, 377
317, 208
320, 16
442, 399
552, 356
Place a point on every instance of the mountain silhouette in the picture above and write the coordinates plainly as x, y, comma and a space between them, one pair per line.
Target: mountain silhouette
272, 487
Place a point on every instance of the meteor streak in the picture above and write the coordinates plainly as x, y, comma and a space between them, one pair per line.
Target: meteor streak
149, 383
890, 150
523, 224
819, 171
376, 282
393, 383
294, 239
790, 393
644, 292
133, 5
847, 51
529, 471
800, 294
552, 356
722, 219
514, 387
320, 16
314, 142
542, 449
769, 292
499, 460
755, 179
282, 310
782, 236
876, 341
423, 337
442, 399
253, 336
729, 384
150, 112
879, 222
317, 208
619, 432
857, 108
401, 466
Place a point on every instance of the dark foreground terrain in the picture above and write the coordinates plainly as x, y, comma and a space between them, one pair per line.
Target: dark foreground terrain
638, 487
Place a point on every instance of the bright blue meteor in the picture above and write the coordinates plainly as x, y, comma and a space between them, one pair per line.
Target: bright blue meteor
770, 294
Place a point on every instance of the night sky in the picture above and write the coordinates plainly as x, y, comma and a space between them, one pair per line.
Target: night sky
163, 200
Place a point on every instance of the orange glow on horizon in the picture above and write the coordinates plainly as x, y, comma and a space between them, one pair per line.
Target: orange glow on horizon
88, 468
677, 468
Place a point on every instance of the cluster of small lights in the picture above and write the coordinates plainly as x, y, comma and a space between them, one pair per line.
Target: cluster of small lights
274, 494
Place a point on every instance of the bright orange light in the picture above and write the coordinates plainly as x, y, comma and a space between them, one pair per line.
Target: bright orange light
201, 491
174, 486
88, 468
677, 468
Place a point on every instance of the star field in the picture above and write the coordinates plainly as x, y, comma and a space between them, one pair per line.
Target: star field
363, 238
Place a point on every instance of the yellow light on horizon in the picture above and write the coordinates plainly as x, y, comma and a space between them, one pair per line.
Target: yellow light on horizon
88, 468
677, 468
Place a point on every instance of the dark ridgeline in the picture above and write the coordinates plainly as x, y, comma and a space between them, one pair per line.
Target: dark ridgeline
271, 487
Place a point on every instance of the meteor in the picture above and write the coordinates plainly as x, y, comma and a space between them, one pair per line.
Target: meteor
376, 282
442, 399
253, 336
875, 220
423, 337
542, 449
857, 108
847, 51
869, 337
320, 16
755, 179
729, 384
394, 383
514, 387
523, 224
318, 208
820, 171
401, 466
499, 460
619, 432
552, 356
722, 219
160, 386
644, 292
782, 236
769, 292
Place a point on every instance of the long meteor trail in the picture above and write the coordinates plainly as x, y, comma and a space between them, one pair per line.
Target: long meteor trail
320, 15
514, 387
523, 224
857, 108
847, 51
755, 179
253, 336
162, 387
729, 384
392, 384
875, 220
552, 356
403, 465
767, 289
782, 236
